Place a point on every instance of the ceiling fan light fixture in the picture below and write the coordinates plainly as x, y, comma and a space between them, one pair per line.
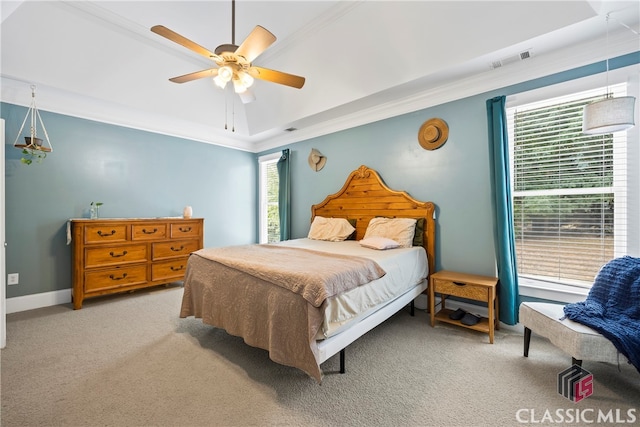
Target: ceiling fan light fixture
219, 82
238, 86
225, 73
234, 61
246, 78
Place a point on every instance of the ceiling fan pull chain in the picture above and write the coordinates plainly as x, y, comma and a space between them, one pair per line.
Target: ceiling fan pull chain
225, 111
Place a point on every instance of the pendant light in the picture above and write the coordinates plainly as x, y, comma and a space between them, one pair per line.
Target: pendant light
33, 147
610, 114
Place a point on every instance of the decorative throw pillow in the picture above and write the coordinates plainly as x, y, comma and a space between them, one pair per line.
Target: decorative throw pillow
331, 229
380, 243
401, 230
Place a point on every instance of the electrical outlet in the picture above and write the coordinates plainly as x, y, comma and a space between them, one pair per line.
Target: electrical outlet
13, 278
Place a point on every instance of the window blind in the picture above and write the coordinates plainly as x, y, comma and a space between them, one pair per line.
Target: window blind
568, 189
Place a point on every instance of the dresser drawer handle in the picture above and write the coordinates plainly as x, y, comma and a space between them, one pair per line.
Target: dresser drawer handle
112, 277
459, 284
177, 269
144, 230
118, 255
178, 249
105, 234
185, 229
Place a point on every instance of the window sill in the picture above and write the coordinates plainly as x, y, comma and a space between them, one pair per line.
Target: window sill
551, 291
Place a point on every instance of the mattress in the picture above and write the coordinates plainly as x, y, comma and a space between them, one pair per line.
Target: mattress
404, 267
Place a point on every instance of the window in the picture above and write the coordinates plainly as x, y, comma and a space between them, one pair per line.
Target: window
569, 191
269, 216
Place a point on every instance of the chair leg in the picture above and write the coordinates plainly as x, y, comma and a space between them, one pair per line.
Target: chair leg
527, 340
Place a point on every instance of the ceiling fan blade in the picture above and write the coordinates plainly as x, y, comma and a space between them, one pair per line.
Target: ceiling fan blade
177, 38
211, 72
247, 96
276, 77
256, 42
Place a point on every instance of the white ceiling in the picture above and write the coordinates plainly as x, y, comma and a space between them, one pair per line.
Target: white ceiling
363, 60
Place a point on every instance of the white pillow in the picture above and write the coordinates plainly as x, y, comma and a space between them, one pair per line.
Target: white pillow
331, 229
380, 243
401, 230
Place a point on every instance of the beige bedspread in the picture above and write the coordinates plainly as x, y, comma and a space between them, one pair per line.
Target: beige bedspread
271, 296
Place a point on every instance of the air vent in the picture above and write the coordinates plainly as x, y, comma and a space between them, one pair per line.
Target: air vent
511, 59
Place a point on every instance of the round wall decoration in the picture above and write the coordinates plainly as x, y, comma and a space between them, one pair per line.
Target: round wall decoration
433, 134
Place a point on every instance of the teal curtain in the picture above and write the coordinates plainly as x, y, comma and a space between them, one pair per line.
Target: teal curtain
503, 210
284, 195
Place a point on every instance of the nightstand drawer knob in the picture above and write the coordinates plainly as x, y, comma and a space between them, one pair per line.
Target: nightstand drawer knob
459, 284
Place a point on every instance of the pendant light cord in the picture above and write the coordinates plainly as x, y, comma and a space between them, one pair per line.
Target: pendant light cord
607, 61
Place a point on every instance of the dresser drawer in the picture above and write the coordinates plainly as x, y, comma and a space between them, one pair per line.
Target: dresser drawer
105, 233
461, 289
106, 256
172, 249
149, 231
173, 269
185, 229
116, 277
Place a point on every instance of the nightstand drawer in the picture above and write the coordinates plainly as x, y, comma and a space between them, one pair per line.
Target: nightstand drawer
469, 286
461, 289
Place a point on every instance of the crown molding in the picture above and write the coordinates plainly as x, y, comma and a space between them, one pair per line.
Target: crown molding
423, 93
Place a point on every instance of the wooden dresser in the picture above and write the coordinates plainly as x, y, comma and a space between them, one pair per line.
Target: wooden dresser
119, 255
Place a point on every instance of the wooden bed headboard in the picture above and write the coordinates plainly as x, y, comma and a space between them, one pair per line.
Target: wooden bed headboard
365, 196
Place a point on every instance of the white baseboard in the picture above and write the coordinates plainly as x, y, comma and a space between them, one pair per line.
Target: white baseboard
31, 302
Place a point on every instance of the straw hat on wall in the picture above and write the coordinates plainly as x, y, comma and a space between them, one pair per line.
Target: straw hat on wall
316, 160
433, 134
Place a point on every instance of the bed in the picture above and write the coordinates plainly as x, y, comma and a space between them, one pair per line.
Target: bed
267, 294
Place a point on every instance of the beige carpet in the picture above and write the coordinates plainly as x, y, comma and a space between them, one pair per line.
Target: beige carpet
129, 360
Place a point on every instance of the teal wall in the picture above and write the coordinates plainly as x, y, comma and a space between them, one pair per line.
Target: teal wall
134, 173
142, 174
456, 177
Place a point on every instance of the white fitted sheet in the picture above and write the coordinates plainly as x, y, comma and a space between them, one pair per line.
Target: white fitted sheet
405, 268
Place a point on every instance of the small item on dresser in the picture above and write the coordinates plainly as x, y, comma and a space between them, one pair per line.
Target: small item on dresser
94, 210
187, 212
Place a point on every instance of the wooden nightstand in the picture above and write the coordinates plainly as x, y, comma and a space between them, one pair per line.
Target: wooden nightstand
470, 286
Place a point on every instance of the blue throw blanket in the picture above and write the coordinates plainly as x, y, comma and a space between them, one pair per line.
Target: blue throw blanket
613, 306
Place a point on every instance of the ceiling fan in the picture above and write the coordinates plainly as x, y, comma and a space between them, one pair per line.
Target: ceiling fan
234, 62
